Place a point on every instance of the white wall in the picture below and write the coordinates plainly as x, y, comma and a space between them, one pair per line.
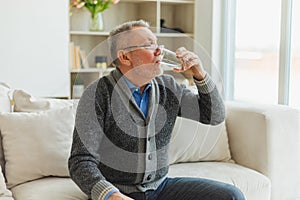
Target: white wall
208, 34
34, 46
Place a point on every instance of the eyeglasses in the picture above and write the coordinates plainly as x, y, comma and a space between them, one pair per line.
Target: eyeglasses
145, 46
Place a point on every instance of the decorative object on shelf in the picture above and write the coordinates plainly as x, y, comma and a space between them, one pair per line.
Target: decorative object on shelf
101, 62
77, 88
164, 29
97, 22
96, 7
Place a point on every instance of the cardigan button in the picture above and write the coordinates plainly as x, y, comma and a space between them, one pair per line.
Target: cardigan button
149, 177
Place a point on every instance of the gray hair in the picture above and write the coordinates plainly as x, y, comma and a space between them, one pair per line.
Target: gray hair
116, 36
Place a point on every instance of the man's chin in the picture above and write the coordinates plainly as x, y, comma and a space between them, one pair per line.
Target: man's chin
157, 71
147, 73
153, 74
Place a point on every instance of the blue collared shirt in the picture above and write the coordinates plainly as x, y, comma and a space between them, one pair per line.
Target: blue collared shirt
141, 100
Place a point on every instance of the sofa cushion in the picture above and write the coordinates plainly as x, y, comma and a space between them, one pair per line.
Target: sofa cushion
49, 188
193, 141
37, 144
25, 102
5, 194
254, 185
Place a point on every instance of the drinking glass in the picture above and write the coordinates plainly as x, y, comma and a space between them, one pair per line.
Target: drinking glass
169, 59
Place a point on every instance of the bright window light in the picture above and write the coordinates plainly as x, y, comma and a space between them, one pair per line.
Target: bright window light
257, 50
294, 99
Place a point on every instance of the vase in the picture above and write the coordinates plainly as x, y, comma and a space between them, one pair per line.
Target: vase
97, 22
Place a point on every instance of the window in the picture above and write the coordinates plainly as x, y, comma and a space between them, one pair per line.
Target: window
262, 61
294, 99
257, 50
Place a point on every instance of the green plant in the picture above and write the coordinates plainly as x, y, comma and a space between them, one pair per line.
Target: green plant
94, 6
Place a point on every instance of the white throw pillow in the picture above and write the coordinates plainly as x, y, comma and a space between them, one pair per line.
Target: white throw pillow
25, 102
4, 192
193, 141
4, 97
4, 107
37, 144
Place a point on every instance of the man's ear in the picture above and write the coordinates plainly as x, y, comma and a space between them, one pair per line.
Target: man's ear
123, 58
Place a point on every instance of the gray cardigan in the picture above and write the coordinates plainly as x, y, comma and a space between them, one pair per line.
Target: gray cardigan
116, 148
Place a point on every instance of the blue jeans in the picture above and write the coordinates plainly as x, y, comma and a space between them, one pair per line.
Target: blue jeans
190, 189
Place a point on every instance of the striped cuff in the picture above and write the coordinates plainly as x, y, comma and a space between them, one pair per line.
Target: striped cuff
110, 193
103, 189
206, 85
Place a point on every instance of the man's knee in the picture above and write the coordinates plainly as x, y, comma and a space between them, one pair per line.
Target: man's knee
234, 193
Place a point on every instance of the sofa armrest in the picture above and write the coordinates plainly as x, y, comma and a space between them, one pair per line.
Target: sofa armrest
266, 138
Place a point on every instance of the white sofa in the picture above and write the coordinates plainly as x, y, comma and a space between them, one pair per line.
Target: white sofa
260, 155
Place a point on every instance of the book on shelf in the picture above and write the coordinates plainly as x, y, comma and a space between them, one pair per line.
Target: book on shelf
77, 57
71, 55
77, 63
83, 60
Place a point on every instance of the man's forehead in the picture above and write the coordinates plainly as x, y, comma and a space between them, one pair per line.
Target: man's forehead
135, 36
142, 33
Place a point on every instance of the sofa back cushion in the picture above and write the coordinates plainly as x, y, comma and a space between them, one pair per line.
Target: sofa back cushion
37, 144
193, 141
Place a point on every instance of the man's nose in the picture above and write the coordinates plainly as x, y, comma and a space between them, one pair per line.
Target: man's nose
158, 51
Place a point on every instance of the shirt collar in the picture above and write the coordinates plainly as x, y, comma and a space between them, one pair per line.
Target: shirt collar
134, 88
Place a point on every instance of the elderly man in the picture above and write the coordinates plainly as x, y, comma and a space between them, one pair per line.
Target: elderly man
124, 123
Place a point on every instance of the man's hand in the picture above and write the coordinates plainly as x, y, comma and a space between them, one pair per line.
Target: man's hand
191, 63
119, 196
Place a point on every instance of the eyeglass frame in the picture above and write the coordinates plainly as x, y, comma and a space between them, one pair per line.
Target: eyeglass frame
146, 46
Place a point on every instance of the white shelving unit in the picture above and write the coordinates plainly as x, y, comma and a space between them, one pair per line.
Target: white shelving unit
176, 13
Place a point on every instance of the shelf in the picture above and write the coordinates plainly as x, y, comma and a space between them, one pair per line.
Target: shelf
107, 34
89, 33
178, 1
155, 1
91, 70
139, 1
174, 34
